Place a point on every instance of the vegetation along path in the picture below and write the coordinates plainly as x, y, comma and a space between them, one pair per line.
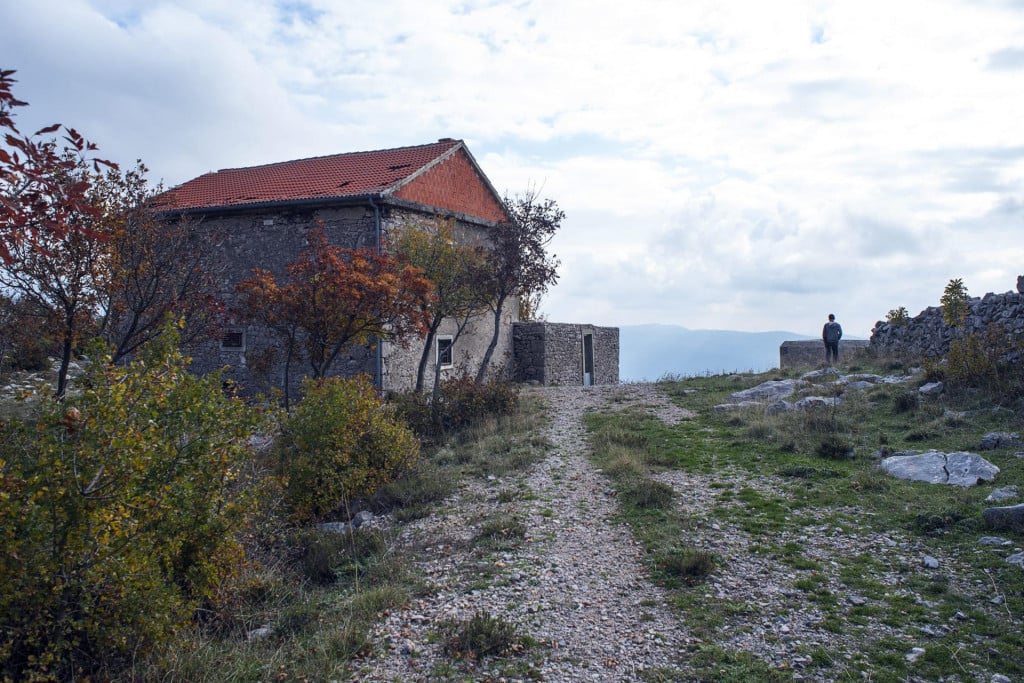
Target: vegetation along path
660, 540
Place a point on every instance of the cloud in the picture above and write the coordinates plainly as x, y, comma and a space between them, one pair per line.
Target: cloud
728, 165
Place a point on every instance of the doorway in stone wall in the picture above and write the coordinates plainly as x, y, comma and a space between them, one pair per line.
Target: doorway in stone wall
588, 359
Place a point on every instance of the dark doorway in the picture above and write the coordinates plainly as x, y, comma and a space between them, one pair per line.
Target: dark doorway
588, 359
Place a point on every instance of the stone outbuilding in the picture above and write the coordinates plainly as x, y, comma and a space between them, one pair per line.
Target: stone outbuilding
565, 354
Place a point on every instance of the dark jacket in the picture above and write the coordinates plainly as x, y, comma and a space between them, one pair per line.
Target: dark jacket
832, 332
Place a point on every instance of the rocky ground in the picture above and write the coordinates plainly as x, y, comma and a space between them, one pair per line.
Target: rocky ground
577, 582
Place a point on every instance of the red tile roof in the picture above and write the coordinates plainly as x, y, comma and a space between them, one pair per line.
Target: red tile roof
337, 176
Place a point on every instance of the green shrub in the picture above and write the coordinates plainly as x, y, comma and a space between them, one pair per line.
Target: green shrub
479, 636
117, 516
689, 564
323, 556
834, 447
647, 493
898, 317
341, 443
462, 403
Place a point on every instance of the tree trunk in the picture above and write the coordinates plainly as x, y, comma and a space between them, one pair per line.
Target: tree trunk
427, 346
494, 341
67, 347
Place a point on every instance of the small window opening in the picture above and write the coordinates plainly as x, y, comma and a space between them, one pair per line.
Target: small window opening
444, 352
233, 340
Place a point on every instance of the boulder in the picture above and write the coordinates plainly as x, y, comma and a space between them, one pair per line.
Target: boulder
932, 389
1003, 494
935, 467
1009, 518
994, 440
771, 390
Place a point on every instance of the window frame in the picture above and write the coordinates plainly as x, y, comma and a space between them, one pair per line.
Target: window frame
232, 332
448, 351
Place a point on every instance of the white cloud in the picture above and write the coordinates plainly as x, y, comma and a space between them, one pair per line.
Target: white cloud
733, 164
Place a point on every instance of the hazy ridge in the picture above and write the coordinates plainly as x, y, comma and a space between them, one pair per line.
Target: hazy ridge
648, 352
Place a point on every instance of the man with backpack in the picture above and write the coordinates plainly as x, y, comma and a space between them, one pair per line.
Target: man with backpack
831, 334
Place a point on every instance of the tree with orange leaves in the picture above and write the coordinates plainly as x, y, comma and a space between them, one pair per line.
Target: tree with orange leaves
337, 297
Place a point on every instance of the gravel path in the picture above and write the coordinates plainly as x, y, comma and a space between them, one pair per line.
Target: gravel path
577, 583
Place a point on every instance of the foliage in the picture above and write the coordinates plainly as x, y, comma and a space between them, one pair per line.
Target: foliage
456, 271
337, 297
341, 443
26, 335
955, 303
898, 317
158, 270
518, 262
65, 273
479, 636
43, 192
116, 515
460, 404
983, 361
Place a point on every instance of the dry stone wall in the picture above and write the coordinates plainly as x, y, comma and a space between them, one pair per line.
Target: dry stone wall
927, 335
811, 352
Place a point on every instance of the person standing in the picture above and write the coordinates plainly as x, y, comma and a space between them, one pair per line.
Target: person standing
831, 334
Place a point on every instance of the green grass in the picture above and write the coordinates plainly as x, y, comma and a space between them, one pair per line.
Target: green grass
780, 481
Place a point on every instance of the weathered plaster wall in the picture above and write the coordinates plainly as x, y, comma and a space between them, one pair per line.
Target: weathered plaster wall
552, 353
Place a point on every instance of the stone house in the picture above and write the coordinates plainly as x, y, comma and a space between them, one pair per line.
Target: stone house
259, 217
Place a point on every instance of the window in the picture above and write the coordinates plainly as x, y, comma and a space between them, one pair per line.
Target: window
233, 340
443, 357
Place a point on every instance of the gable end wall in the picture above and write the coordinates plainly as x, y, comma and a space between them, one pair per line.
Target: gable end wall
454, 185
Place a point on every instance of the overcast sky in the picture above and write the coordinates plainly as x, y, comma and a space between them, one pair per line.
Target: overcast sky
723, 165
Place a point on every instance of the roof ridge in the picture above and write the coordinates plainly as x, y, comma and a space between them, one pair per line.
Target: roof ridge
451, 141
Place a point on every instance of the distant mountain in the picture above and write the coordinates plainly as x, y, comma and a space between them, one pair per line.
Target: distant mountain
649, 352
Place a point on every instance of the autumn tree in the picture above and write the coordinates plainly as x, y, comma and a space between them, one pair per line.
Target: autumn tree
518, 262
335, 297
64, 273
43, 191
457, 273
159, 271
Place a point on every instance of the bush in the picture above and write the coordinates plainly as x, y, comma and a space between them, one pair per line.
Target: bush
461, 403
116, 515
342, 443
479, 636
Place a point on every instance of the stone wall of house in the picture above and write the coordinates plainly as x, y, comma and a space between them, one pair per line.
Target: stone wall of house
927, 335
270, 239
811, 352
552, 353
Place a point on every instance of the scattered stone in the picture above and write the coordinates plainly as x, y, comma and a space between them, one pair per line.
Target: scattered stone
1002, 494
260, 633
932, 389
770, 390
1000, 678
1019, 454
929, 562
818, 402
994, 540
856, 600
935, 467
816, 374
998, 600
914, 654
361, 518
335, 527
1010, 518
994, 440
1017, 559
